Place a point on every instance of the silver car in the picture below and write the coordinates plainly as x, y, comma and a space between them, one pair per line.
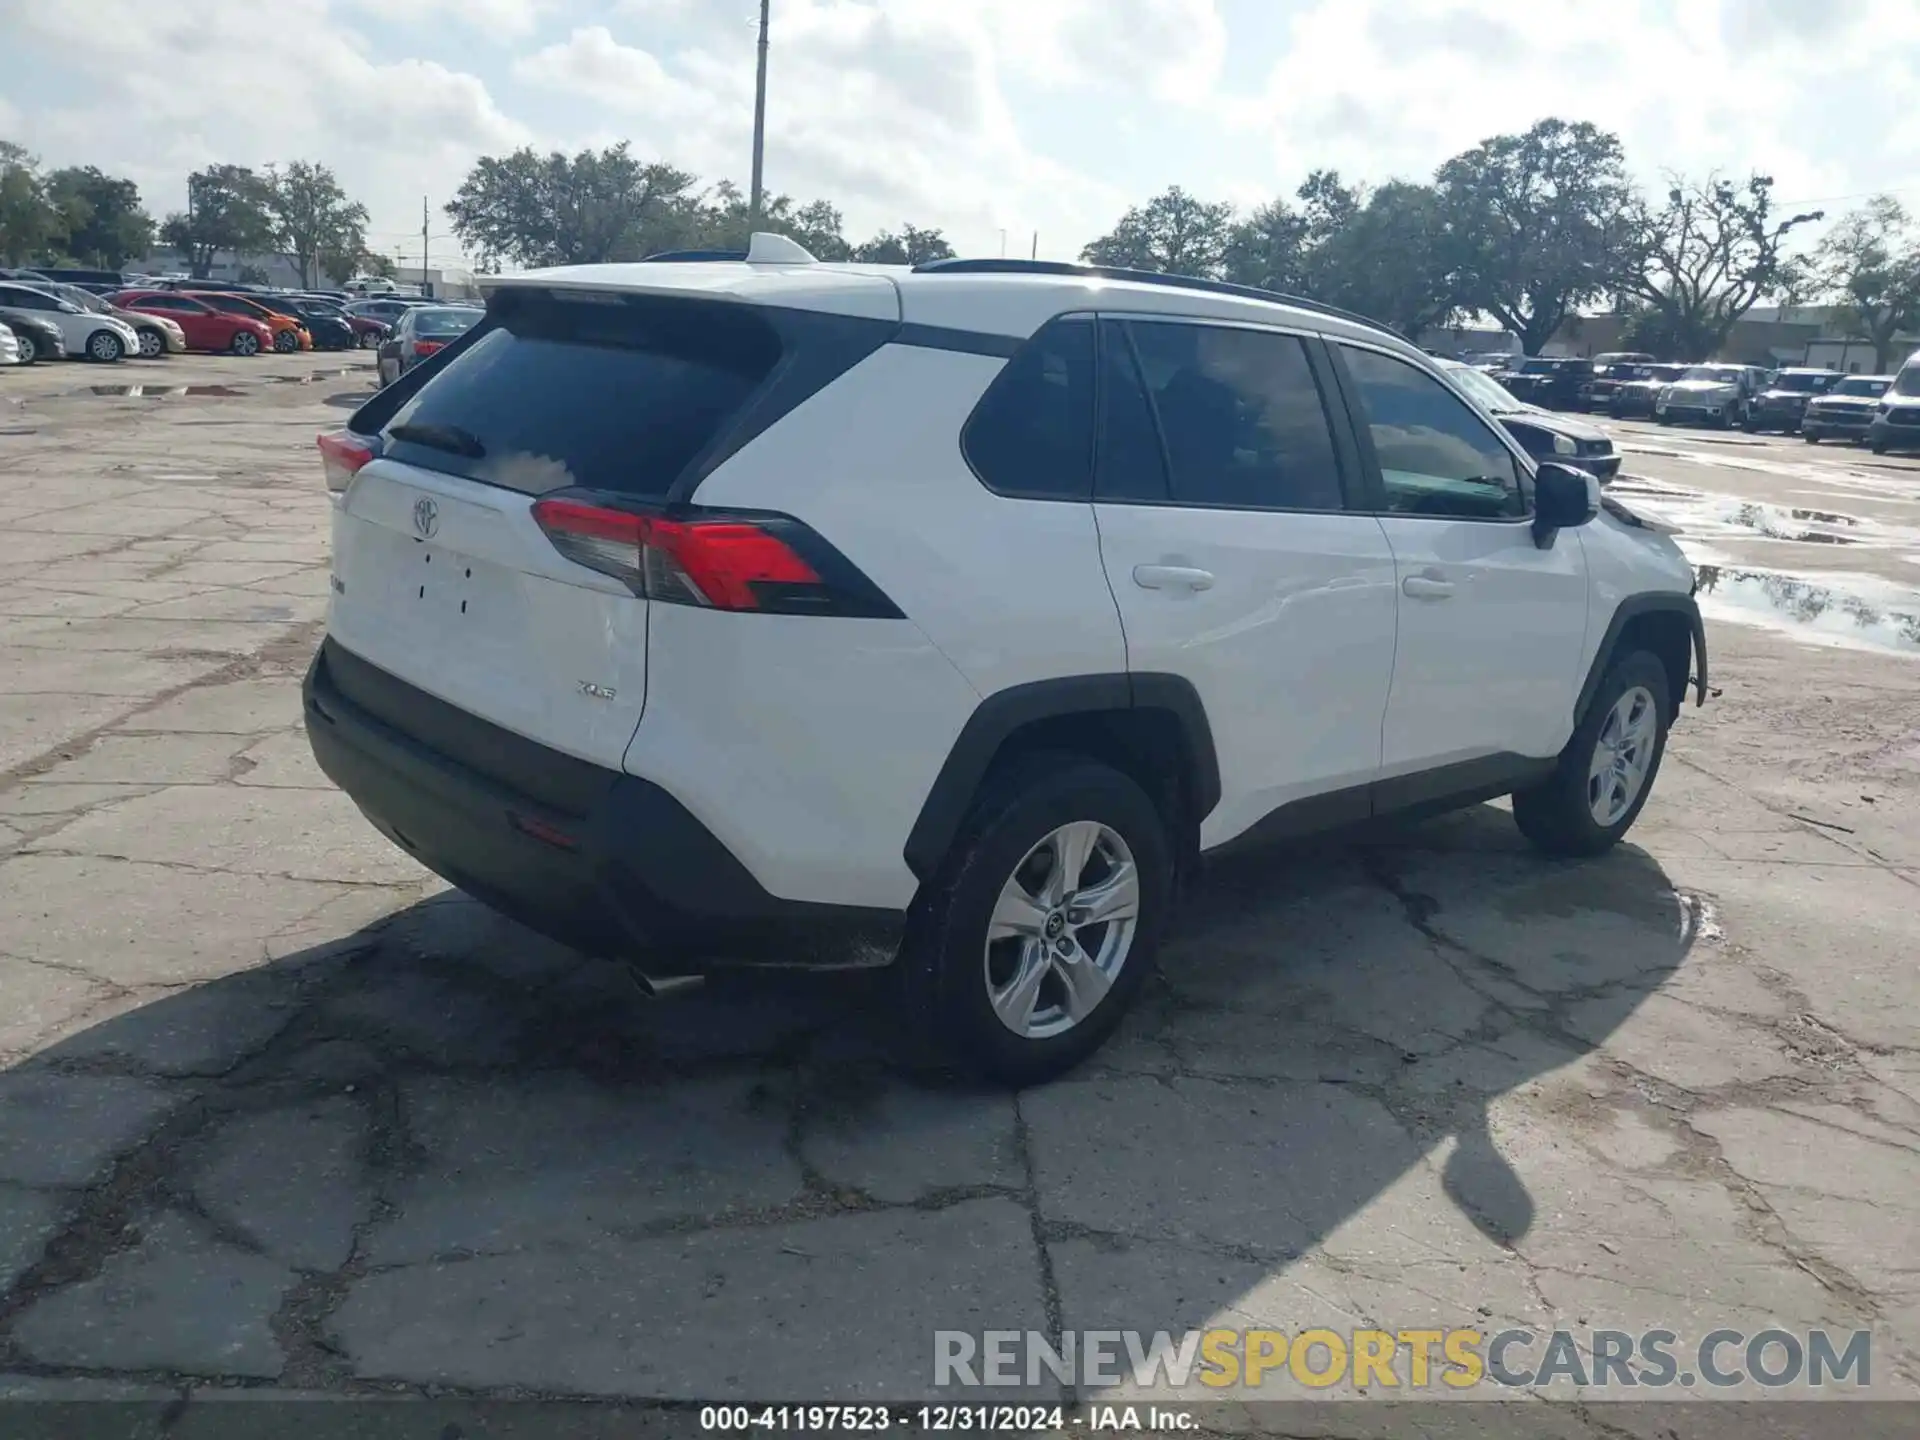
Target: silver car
96, 337
9, 347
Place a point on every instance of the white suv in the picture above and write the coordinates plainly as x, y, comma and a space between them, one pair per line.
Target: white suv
767, 611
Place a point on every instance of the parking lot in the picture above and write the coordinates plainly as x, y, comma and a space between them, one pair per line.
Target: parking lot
280, 1109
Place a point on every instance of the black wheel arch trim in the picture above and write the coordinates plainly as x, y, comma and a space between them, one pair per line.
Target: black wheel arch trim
1006, 712
1631, 608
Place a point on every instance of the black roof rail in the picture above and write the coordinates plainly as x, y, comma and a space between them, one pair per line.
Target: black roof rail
680, 256
1143, 277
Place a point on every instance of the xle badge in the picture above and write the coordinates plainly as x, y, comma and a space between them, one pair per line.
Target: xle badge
598, 692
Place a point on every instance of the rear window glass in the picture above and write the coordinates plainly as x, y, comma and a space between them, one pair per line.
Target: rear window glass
445, 322
608, 393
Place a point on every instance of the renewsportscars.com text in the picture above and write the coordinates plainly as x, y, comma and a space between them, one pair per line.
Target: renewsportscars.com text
1375, 1360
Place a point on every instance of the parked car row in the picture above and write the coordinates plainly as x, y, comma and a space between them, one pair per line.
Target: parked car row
47, 319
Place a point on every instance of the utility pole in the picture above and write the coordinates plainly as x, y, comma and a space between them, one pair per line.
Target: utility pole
424, 289
759, 122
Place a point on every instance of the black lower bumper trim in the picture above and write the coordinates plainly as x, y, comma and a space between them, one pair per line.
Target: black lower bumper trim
619, 868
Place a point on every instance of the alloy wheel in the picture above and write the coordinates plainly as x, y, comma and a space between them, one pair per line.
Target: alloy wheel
151, 345
1622, 756
1062, 930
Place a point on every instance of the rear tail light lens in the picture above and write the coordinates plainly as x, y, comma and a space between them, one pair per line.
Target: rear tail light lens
424, 348
717, 560
343, 453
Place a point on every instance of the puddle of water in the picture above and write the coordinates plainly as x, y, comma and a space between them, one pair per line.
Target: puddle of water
156, 391
1700, 513
317, 377
1858, 611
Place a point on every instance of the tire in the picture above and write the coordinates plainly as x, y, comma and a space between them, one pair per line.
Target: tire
370, 340
950, 970
153, 345
104, 347
1559, 814
1812, 437
245, 343
1879, 447
285, 342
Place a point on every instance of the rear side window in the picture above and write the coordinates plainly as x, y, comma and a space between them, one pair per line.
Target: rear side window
1031, 435
1239, 415
617, 394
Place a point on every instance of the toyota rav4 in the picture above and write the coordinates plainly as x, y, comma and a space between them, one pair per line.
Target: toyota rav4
758, 610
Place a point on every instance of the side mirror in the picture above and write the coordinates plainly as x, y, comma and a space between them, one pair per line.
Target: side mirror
1563, 497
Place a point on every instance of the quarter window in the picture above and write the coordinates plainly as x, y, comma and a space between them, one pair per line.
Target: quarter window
1210, 415
1032, 432
1436, 456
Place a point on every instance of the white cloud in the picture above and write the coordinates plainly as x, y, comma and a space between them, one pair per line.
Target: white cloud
894, 112
1815, 95
969, 114
512, 18
162, 87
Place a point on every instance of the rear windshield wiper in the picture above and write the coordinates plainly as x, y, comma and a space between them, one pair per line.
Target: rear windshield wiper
450, 438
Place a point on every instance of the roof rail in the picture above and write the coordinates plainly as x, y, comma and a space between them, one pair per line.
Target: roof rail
1143, 277
687, 256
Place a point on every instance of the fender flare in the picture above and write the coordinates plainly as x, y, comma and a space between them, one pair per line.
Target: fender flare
1633, 606
1006, 712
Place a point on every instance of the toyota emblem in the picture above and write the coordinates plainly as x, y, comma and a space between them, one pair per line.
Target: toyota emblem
426, 517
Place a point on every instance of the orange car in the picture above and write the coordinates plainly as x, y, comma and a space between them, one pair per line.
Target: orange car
289, 331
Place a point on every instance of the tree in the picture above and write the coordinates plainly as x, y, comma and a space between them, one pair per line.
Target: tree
589, 208
105, 223
228, 208
28, 219
1173, 233
912, 246
1268, 249
1705, 258
318, 226
1869, 263
721, 219
1389, 259
1535, 224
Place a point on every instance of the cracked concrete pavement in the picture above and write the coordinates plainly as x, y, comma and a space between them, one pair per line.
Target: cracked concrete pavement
279, 1109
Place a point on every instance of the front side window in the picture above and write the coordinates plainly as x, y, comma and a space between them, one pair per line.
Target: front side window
1032, 432
1231, 417
1436, 456
1907, 382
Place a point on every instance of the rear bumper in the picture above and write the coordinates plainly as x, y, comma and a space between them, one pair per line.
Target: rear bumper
606, 862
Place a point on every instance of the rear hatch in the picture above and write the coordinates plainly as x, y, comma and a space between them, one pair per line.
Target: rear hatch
574, 393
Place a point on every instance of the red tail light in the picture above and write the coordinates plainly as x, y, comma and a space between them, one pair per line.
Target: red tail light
343, 453
424, 348
714, 559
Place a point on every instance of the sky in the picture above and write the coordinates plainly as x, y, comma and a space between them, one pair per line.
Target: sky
1005, 123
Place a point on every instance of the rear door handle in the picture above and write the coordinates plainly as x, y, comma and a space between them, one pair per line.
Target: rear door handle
1172, 577
1425, 587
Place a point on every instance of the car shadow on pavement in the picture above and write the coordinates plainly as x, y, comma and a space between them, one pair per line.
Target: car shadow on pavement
443, 1151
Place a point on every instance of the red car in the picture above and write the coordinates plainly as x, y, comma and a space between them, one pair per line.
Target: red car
205, 327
